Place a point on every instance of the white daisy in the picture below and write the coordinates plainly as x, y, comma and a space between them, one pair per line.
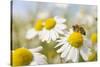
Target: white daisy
31, 33
48, 29
23, 56
93, 39
73, 45
53, 27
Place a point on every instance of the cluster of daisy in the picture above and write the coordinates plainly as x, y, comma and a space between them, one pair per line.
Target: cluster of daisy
47, 30
70, 44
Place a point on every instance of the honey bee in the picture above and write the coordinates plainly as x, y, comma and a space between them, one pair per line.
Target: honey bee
78, 28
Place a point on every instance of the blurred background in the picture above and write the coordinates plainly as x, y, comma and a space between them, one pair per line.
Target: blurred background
25, 13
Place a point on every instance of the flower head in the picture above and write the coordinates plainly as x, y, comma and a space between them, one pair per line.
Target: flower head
21, 56
24, 56
94, 38
50, 23
39, 26
74, 45
75, 39
48, 29
53, 27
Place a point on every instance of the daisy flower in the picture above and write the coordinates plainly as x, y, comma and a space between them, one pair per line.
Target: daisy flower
48, 29
93, 39
93, 42
72, 46
24, 56
53, 27
31, 33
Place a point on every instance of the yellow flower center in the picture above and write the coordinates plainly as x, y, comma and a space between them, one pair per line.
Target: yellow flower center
94, 38
21, 56
92, 57
50, 23
39, 25
75, 39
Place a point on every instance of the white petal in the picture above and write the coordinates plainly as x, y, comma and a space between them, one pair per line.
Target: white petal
84, 51
40, 35
75, 56
38, 49
59, 19
53, 35
87, 43
60, 26
31, 34
56, 33
61, 49
60, 40
49, 37
69, 56
33, 63
66, 50
40, 59
63, 38
59, 44
45, 34
59, 31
